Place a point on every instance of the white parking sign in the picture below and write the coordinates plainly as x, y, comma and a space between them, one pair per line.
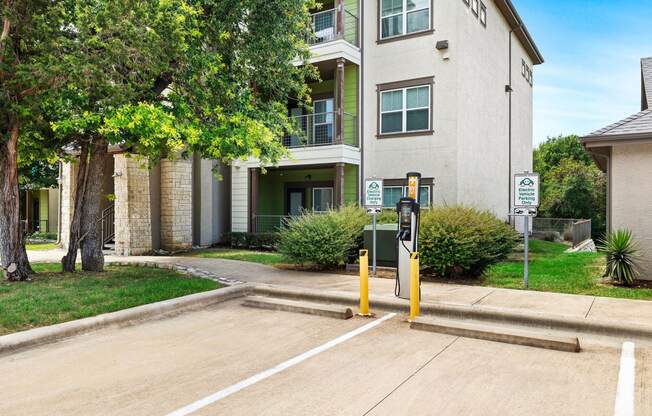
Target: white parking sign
526, 190
373, 193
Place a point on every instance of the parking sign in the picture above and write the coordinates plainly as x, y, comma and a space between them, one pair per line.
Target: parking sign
526, 190
373, 194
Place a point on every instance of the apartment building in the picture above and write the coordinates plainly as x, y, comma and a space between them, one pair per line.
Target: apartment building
439, 87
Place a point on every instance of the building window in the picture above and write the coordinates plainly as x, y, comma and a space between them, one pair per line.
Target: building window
322, 199
392, 194
323, 122
400, 17
483, 14
405, 110
475, 5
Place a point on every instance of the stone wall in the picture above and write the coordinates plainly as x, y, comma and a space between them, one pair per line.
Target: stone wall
67, 182
176, 204
133, 228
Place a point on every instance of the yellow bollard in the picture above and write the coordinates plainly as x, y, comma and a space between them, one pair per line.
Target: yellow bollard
415, 295
364, 283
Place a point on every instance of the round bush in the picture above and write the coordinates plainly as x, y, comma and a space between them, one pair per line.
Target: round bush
458, 241
323, 240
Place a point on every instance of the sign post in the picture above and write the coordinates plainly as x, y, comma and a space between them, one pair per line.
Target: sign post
373, 202
526, 202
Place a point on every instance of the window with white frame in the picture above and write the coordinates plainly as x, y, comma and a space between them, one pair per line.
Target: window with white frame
323, 121
322, 199
401, 17
475, 6
405, 110
392, 194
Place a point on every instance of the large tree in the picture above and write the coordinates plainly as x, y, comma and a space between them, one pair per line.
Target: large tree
572, 186
166, 79
34, 40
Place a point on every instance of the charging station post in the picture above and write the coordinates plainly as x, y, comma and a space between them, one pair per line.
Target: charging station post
408, 211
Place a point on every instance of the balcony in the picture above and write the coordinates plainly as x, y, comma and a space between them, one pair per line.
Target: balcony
323, 129
328, 28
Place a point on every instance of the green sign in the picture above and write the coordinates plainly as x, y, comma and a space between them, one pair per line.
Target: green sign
526, 190
373, 193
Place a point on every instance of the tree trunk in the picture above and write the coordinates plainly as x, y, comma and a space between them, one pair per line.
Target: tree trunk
91, 221
68, 261
86, 220
12, 243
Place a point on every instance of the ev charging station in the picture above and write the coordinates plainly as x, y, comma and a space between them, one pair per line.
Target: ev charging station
408, 234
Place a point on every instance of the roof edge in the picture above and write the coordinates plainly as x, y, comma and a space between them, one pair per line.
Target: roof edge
518, 26
609, 139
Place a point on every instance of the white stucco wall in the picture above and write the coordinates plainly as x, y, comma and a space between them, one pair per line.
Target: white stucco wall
631, 196
239, 198
469, 151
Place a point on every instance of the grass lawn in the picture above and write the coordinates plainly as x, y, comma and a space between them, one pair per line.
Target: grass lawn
553, 270
263, 257
41, 246
53, 297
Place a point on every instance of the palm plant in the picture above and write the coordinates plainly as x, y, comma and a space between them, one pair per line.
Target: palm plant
622, 257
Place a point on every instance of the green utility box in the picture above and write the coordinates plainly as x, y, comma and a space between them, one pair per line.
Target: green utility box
385, 244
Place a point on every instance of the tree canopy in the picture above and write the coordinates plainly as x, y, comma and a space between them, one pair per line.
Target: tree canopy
571, 184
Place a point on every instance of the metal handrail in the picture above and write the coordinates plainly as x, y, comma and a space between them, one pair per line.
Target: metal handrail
326, 20
108, 224
321, 129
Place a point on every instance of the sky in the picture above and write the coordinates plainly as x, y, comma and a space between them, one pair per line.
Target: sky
592, 50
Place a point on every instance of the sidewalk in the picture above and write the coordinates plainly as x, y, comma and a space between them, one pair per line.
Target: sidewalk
591, 308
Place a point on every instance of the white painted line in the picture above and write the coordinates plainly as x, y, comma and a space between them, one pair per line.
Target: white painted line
215, 397
624, 405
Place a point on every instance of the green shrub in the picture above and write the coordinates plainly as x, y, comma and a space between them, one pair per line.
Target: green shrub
42, 236
457, 241
323, 240
622, 257
386, 216
255, 241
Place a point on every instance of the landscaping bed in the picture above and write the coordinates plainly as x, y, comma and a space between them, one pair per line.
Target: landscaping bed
53, 297
554, 270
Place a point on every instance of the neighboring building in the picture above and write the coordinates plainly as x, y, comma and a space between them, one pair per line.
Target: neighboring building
42, 210
624, 151
439, 87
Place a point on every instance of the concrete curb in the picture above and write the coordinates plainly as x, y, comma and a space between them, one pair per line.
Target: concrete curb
38, 336
466, 312
317, 309
496, 334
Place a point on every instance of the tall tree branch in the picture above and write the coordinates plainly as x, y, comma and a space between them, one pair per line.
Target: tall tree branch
6, 26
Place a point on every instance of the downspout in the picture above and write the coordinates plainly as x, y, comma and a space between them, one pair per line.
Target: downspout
361, 113
510, 90
59, 213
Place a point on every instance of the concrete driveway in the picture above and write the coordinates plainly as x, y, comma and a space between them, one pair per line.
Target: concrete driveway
232, 360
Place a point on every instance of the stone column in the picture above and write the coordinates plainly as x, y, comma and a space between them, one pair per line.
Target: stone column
67, 182
176, 204
133, 226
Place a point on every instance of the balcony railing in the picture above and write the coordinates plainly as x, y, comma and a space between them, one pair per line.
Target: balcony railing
325, 27
322, 130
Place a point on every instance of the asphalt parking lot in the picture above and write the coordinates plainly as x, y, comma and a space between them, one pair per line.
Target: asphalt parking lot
232, 360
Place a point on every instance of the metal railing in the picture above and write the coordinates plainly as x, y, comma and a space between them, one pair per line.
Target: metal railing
570, 229
270, 223
581, 232
108, 225
324, 26
322, 129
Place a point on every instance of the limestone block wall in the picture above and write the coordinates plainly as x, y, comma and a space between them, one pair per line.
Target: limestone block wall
176, 204
67, 182
133, 227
